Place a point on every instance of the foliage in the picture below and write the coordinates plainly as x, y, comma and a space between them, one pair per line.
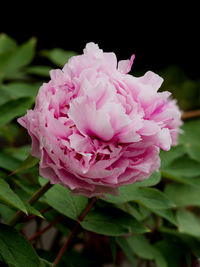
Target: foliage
156, 221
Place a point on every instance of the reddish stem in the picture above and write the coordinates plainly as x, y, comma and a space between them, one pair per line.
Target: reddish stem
73, 231
28, 218
46, 228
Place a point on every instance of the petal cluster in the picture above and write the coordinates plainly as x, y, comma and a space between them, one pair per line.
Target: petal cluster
95, 127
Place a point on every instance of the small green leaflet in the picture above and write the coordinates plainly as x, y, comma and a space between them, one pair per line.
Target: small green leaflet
8, 196
58, 56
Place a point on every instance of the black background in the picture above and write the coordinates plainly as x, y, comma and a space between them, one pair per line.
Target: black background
159, 36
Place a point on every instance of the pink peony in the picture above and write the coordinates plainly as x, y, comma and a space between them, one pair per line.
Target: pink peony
95, 127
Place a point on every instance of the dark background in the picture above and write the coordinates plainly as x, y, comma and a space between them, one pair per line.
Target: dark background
160, 36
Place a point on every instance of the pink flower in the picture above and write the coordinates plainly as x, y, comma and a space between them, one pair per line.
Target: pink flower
95, 127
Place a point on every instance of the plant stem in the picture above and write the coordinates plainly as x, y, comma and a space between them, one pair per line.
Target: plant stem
19, 215
46, 228
190, 114
73, 232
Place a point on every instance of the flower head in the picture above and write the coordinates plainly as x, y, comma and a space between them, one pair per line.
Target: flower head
95, 127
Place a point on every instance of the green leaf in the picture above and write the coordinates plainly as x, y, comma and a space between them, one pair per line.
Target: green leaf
28, 163
187, 240
171, 250
58, 56
165, 213
13, 109
7, 162
19, 153
167, 157
8, 196
23, 55
42, 71
20, 89
145, 250
188, 223
193, 151
191, 133
6, 212
4, 61
183, 195
15, 249
154, 179
149, 197
112, 222
122, 242
61, 199
6, 43
31, 210
45, 263
133, 209
191, 181
183, 167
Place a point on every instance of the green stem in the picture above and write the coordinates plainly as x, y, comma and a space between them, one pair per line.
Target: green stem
19, 215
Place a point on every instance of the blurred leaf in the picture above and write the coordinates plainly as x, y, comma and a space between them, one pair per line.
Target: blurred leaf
189, 95
193, 151
112, 222
190, 138
183, 180
128, 192
173, 75
187, 240
61, 199
191, 132
19, 153
58, 56
133, 209
166, 214
5, 132
15, 249
7, 162
27, 186
23, 55
28, 163
183, 167
183, 195
3, 174
13, 109
122, 242
45, 263
8, 196
6, 212
167, 157
42, 71
149, 197
113, 247
6, 43
171, 250
143, 249
188, 258
188, 223
154, 179
20, 89
4, 61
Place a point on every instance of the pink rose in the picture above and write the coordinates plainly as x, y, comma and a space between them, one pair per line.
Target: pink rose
95, 127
